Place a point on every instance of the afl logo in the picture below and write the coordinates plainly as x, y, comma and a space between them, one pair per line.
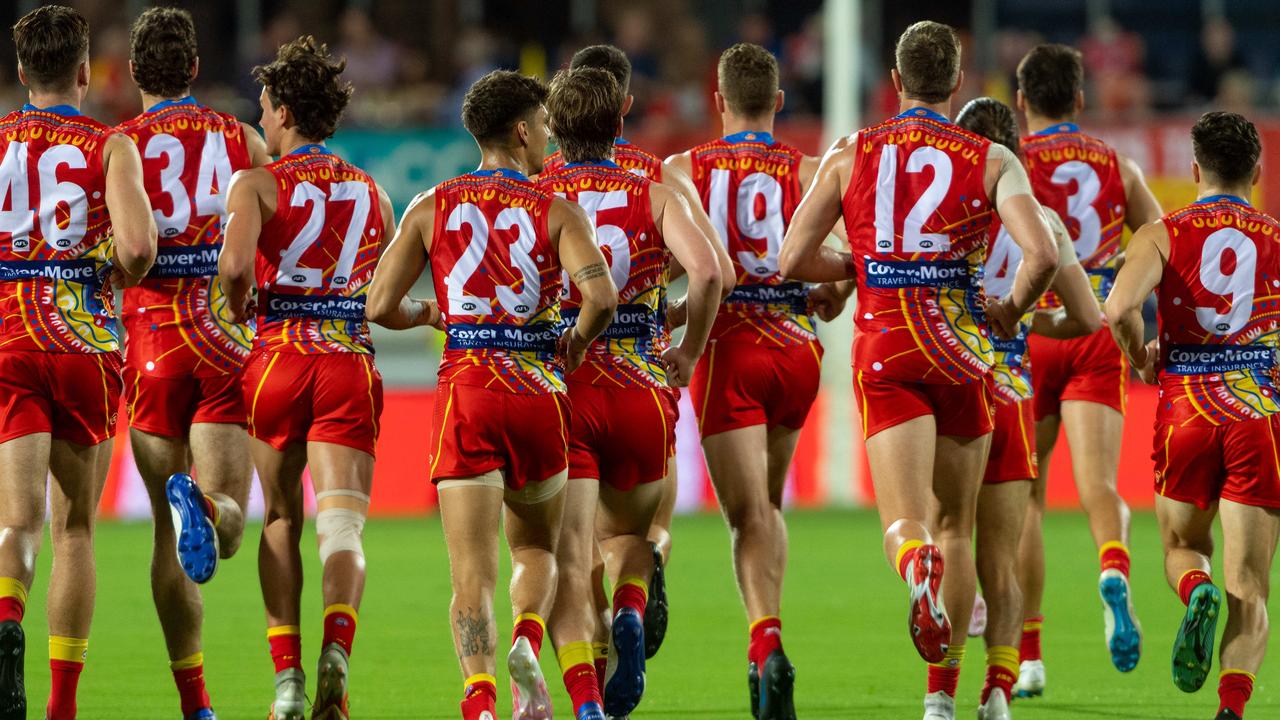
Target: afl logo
468, 306
926, 243
170, 231
761, 269
339, 281
1223, 327
522, 308
63, 243
299, 278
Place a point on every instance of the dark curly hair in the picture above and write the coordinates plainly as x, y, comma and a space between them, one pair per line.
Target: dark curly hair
991, 119
162, 48
305, 79
496, 102
1226, 146
584, 106
52, 41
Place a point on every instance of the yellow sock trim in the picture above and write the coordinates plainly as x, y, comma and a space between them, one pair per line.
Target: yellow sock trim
1234, 671
341, 608
766, 618
1003, 656
1112, 545
188, 662
907, 547
599, 650
68, 649
532, 616
953, 659
575, 654
279, 630
1029, 625
638, 582
13, 588
217, 514
479, 678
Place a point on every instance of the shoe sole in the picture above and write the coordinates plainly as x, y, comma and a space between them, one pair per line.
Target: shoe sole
753, 689
927, 623
13, 694
1028, 694
527, 675
197, 540
331, 689
624, 687
1193, 648
656, 613
1126, 640
777, 691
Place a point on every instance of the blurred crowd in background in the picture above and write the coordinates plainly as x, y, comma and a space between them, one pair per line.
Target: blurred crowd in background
411, 60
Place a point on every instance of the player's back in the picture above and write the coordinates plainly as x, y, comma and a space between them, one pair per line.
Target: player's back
55, 236
316, 255
750, 187
189, 153
1219, 328
498, 278
1078, 176
619, 205
625, 155
1010, 365
917, 216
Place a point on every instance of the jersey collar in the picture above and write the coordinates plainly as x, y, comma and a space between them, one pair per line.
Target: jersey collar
750, 136
65, 110
1064, 127
188, 100
914, 113
594, 163
1222, 198
621, 141
502, 172
311, 149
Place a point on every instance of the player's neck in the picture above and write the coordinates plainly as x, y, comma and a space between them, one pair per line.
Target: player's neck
942, 108
1036, 123
49, 99
502, 158
1240, 191
149, 101
292, 141
734, 124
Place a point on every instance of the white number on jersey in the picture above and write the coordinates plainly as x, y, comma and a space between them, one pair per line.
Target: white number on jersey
1238, 286
913, 241
1002, 264
610, 236
353, 191
768, 228
19, 220
1080, 204
522, 304
211, 182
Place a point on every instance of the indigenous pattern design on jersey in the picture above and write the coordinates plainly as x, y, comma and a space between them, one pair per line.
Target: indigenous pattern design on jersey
316, 255
1219, 314
750, 187
497, 276
918, 220
1078, 177
175, 320
625, 155
1012, 365
55, 237
618, 203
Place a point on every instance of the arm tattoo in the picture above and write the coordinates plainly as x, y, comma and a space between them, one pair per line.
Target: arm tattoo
472, 628
590, 272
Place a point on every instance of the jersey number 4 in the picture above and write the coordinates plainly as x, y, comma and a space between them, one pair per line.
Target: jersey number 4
211, 181
19, 220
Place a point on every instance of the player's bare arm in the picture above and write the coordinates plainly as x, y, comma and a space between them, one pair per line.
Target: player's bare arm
258, 155
575, 240
677, 178
1147, 255
400, 266
250, 203
688, 243
1080, 313
1008, 186
1141, 206
804, 256
132, 223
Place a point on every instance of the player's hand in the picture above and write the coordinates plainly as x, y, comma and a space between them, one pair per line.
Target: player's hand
1147, 367
573, 349
242, 313
429, 314
121, 279
1003, 318
677, 314
826, 302
679, 363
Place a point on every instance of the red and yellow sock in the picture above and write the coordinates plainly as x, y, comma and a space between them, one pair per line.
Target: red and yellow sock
906, 554
1234, 689
532, 627
13, 599
66, 661
631, 592
1114, 555
1030, 648
211, 510
286, 646
577, 662
479, 694
766, 636
945, 676
340, 626
600, 657
188, 675
1002, 671
1189, 581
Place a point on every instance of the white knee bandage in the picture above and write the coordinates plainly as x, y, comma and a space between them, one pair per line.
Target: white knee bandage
340, 531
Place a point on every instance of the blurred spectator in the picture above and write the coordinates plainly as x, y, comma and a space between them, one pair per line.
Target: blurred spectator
1217, 57
801, 68
373, 61
633, 33
1236, 93
1113, 65
475, 54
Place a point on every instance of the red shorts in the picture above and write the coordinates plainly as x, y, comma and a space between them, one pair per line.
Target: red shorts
1238, 461
72, 396
1013, 443
477, 430
737, 385
962, 410
170, 406
622, 437
333, 397
1090, 368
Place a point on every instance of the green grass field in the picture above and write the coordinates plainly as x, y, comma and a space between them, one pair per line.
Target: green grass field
843, 609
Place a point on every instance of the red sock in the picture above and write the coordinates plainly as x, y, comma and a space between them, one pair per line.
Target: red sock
943, 679
211, 510
1030, 649
1002, 671
286, 647
1114, 555
531, 627
339, 626
631, 593
766, 636
1234, 689
11, 609
62, 693
479, 695
579, 674
906, 554
188, 675
1189, 581
600, 651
